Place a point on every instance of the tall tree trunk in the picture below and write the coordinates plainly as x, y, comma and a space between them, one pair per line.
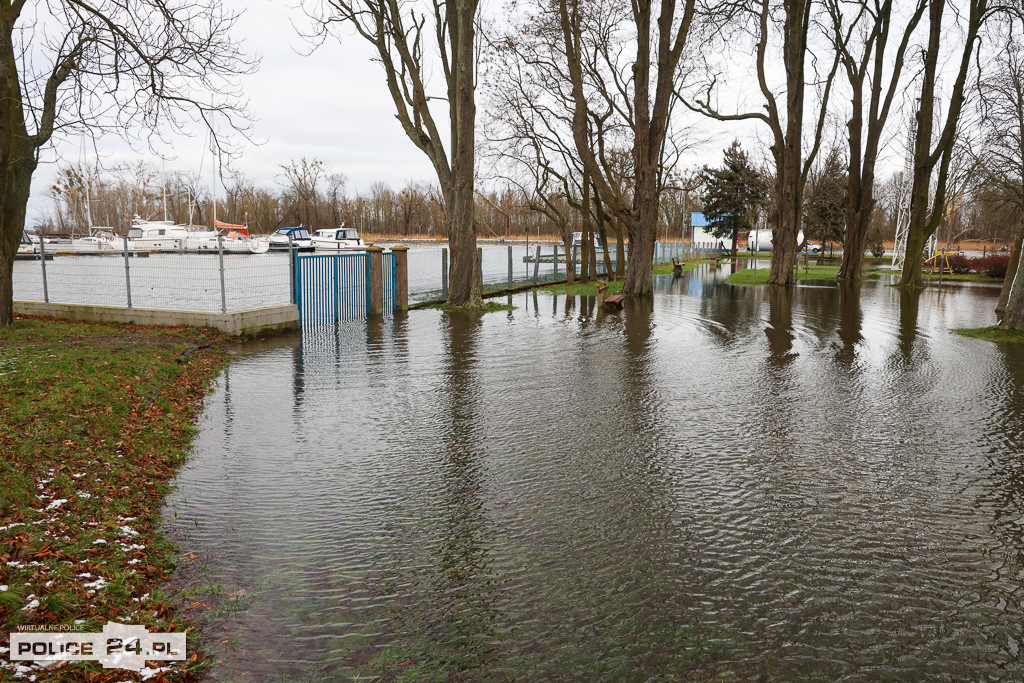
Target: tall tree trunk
602, 222
585, 233
464, 284
857, 217
787, 224
642, 232
926, 215
1011, 273
17, 163
570, 265
789, 159
1013, 317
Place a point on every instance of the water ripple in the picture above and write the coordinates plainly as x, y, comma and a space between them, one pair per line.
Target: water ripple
728, 482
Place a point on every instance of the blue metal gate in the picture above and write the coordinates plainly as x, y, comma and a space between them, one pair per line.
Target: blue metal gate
330, 288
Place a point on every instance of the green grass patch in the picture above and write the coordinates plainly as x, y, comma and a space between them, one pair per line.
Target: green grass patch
750, 276
95, 420
966, 277
996, 334
667, 268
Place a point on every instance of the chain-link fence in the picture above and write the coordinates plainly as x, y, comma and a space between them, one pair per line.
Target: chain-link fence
225, 282
206, 282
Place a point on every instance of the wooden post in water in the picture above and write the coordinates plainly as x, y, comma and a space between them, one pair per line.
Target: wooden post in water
401, 277
376, 255
510, 266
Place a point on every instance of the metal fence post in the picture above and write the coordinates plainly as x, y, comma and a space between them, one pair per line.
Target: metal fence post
480, 267
336, 285
42, 260
223, 291
536, 264
444, 272
291, 265
127, 273
510, 265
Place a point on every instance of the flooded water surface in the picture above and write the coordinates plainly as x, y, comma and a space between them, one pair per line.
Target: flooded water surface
726, 482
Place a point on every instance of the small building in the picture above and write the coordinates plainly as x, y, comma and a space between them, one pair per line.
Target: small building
700, 230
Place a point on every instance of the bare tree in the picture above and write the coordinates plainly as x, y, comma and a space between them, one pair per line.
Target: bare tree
786, 122
642, 95
1002, 154
926, 213
879, 72
401, 34
71, 66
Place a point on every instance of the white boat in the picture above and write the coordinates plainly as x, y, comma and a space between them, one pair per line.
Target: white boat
29, 244
300, 239
164, 236
100, 239
338, 239
234, 242
168, 236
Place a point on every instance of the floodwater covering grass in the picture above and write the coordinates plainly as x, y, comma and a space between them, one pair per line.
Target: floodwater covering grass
486, 308
96, 419
996, 334
590, 288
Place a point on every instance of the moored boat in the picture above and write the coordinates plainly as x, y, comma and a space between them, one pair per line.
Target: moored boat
338, 239
300, 239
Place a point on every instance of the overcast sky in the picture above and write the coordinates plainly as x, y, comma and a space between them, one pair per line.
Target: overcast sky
332, 105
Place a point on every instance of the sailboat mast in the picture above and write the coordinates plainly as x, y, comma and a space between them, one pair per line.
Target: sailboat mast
163, 184
213, 182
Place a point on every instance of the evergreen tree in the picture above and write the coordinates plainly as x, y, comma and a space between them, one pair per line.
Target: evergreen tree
825, 206
733, 194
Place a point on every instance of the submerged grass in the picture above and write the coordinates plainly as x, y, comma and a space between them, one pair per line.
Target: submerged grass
590, 288
486, 308
95, 420
580, 288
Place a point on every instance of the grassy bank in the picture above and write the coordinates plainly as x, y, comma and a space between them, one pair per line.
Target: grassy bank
960, 277
760, 276
996, 334
95, 420
750, 276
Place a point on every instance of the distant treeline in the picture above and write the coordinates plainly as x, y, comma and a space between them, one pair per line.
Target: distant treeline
309, 193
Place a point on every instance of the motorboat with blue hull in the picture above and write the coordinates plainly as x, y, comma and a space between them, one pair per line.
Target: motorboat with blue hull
296, 238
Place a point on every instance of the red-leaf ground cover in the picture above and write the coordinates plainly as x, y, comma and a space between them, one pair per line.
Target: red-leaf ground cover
95, 420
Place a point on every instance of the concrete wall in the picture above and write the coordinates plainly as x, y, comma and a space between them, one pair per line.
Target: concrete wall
254, 322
